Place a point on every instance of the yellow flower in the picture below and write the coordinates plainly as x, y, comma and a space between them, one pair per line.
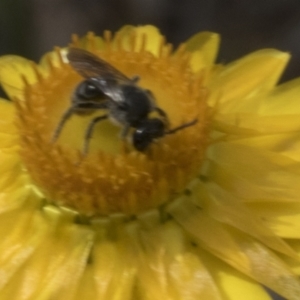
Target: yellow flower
209, 212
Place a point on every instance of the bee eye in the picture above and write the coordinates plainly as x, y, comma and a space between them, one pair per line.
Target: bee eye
87, 90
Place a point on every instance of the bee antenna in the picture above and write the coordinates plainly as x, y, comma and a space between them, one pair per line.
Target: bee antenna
171, 131
61, 124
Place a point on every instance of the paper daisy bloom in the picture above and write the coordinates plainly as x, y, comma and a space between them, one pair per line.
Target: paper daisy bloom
211, 211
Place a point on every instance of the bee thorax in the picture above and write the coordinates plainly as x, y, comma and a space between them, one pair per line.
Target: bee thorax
137, 104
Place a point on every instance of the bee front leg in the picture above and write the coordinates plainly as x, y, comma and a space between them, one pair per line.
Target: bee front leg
163, 115
123, 135
89, 131
66, 116
125, 131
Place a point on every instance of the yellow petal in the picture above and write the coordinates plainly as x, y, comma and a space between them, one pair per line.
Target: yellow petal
294, 265
187, 276
54, 270
12, 69
283, 100
13, 195
204, 47
155, 257
151, 33
256, 73
7, 126
170, 269
52, 59
281, 143
114, 270
226, 209
90, 42
17, 246
267, 268
240, 186
126, 31
232, 284
285, 144
192, 218
86, 287
20, 287
7, 110
272, 172
153, 38
283, 218
253, 124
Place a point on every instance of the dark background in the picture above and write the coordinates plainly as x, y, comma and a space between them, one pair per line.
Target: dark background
32, 27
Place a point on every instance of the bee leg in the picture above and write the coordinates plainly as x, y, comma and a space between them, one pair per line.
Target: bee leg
135, 79
125, 131
89, 131
163, 114
123, 135
67, 114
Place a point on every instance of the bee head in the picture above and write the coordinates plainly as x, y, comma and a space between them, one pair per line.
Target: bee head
146, 132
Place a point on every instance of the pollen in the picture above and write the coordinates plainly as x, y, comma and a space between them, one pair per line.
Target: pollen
113, 177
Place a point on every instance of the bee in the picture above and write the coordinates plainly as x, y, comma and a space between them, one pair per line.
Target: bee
124, 102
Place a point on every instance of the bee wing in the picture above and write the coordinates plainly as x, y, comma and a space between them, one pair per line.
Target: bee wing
91, 66
103, 75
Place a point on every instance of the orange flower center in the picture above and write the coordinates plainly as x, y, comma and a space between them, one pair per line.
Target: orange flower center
112, 178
